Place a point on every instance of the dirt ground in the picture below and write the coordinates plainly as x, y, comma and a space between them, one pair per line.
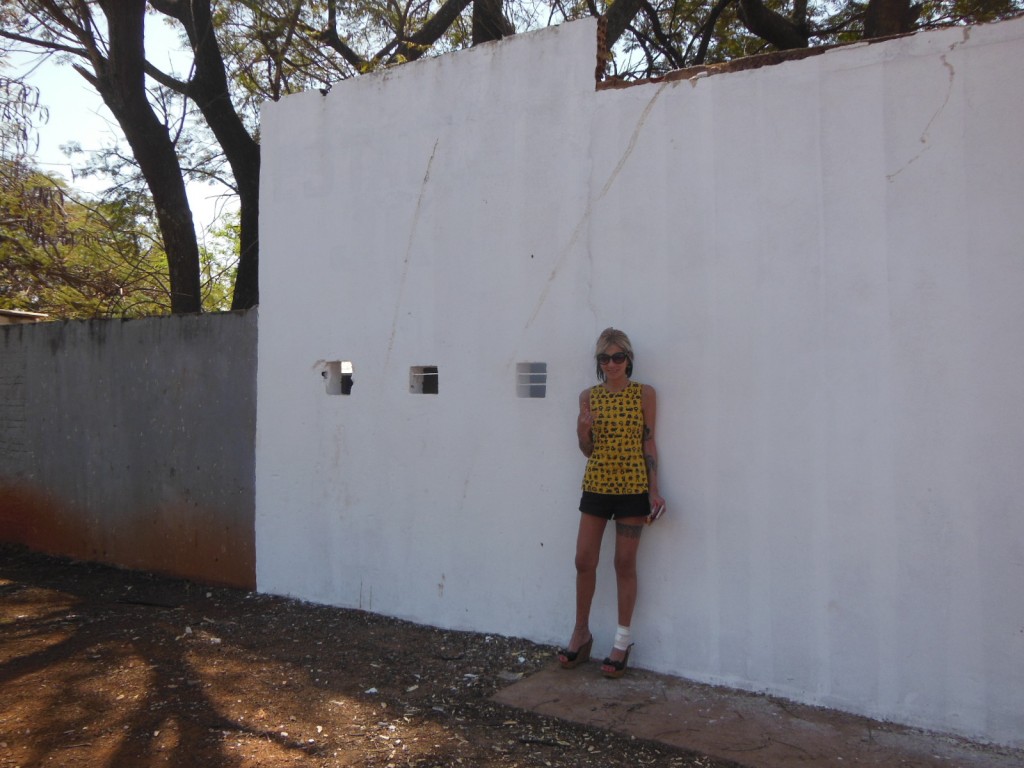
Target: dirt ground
104, 667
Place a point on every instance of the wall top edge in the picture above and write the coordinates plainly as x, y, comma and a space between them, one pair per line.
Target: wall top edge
773, 58
580, 27
181, 317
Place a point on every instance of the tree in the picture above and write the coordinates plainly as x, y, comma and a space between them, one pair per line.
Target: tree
674, 34
73, 257
116, 71
19, 111
272, 33
70, 259
247, 51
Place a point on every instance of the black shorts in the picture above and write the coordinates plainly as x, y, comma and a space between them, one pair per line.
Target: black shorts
612, 506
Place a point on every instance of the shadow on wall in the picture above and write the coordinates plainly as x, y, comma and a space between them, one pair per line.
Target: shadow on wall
175, 539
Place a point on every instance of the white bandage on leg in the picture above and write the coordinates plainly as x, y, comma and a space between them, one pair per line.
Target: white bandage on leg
623, 638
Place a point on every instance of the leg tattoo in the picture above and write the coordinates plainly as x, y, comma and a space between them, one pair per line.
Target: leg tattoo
629, 531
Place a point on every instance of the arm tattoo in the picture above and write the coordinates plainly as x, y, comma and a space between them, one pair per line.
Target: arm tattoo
652, 464
647, 433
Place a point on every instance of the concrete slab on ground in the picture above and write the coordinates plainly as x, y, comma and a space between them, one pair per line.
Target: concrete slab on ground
754, 731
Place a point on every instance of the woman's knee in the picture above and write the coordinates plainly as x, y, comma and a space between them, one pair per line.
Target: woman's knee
625, 566
586, 561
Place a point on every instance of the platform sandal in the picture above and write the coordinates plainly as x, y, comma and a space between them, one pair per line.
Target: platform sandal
617, 668
571, 659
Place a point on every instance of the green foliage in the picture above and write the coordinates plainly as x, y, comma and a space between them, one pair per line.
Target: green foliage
72, 258
967, 11
672, 37
20, 111
218, 262
78, 258
75, 257
276, 47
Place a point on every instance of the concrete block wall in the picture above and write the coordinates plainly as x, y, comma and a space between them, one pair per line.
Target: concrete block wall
132, 442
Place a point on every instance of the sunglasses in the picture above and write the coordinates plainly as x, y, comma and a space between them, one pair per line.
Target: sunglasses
618, 358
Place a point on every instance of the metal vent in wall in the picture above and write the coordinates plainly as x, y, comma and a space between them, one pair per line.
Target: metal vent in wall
531, 379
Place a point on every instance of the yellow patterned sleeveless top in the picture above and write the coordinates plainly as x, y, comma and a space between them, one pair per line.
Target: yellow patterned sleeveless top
616, 464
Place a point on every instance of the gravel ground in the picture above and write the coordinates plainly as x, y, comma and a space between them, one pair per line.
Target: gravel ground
105, 667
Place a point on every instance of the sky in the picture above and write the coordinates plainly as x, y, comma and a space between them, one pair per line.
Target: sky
77, 114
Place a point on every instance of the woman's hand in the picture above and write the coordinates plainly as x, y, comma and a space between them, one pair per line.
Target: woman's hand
657, 507
585, 421
649, 404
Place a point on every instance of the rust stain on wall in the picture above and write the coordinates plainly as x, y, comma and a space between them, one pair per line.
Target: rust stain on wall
29, 516
178, 541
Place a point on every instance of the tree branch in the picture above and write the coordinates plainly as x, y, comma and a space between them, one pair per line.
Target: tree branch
664, 44
772, 27
417, 44
708, 30
179, 10
49, 45
619, 16
89, 76
331, 38
799, 15
176, 85
489, 23
889, 17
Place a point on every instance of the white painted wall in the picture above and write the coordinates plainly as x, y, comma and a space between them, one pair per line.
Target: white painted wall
820, 265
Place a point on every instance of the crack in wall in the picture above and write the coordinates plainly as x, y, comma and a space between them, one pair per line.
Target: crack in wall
588, 212
925, 139
408, 253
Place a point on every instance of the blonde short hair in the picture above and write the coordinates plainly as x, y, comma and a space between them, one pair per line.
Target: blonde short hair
613, 337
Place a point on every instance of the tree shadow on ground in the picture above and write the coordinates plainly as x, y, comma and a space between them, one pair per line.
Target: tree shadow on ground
105, 667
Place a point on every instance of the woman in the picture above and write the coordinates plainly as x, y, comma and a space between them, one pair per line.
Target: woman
615, 429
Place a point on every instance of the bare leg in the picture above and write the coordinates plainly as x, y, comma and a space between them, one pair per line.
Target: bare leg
627, 543
588, 552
